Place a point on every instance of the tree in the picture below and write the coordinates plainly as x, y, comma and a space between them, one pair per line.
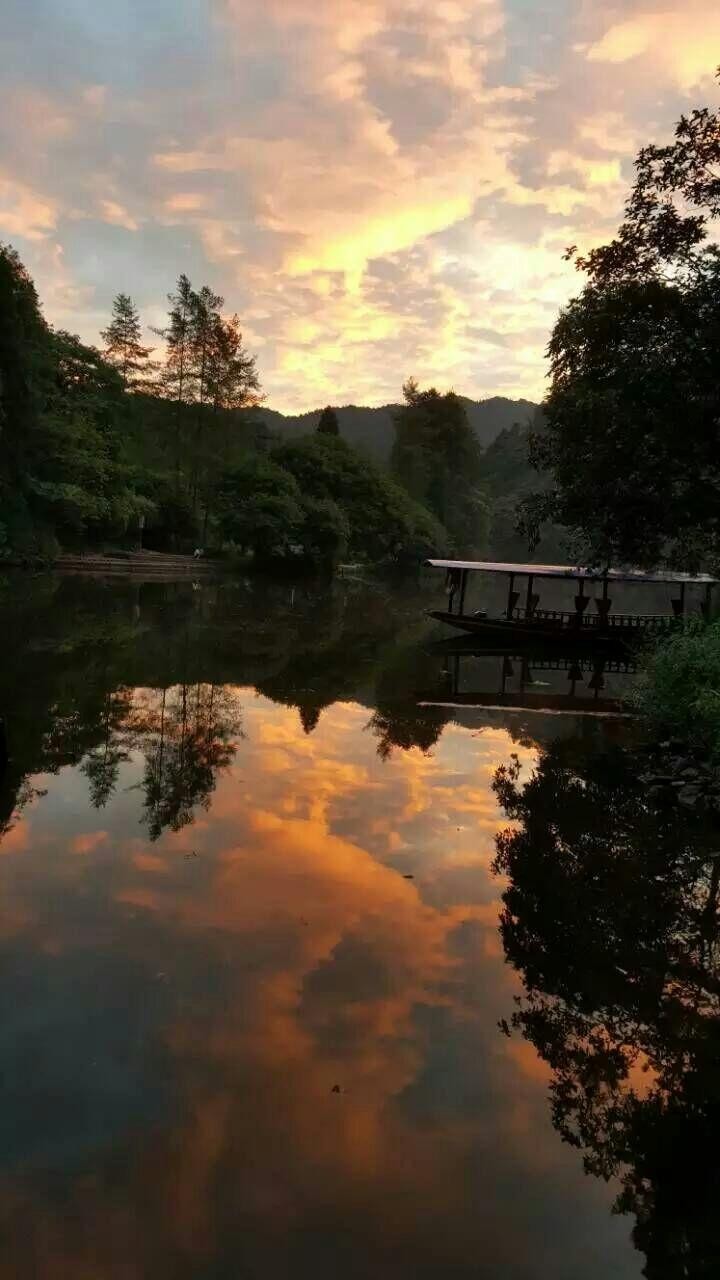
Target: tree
176, 381
632, 435
328, 424
325, 530
188, 740
258, 506
614, 927
436, 456
383, 521
664, 233
61, 406
24, 356
123, 348
205, 321
232, 376
231, 384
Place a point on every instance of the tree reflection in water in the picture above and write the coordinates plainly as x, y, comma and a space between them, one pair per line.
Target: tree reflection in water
187, 734
611, 917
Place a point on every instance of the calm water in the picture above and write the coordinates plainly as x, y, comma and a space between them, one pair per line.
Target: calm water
254, 990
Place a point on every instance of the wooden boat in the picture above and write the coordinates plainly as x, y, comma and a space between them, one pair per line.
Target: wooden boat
591, 623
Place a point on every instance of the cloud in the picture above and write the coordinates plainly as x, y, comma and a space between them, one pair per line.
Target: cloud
370, 185
217, 1004
24, 212
679, 42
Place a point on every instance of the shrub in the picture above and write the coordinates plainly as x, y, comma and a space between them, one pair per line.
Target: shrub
679, 687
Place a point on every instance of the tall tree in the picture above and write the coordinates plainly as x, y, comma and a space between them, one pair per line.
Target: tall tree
632, 434
436, 456
328, 424
205, 320
232, 376
61, 465
123, 348
177, 382
24, 348
228, 381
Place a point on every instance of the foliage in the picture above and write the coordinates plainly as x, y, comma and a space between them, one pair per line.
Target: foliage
81, 458
679, 687
676, 191
383, 522
328, 424
207, 373
325, 530
633, 357
258, 506
613, 927
509, 478
629, 362
61, 416
436, 456
95, 450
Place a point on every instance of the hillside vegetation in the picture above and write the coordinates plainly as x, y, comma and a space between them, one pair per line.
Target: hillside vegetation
117, 448
373, 431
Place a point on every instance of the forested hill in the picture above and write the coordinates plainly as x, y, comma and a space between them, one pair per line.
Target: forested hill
372, 431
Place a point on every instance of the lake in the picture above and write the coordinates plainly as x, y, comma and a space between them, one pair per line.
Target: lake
260, 951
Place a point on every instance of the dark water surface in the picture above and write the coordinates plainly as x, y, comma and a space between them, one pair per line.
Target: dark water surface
253, 989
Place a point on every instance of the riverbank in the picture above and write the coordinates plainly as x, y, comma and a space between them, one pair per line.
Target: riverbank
146, 566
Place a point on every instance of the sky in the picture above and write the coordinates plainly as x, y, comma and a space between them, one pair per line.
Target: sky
379, 188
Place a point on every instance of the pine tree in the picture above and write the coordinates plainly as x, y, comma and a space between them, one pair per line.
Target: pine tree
328, 424
177, 381
232, 378
231, 382
205, 319
123, 348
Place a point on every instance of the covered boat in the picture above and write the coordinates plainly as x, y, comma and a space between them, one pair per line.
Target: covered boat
592, 620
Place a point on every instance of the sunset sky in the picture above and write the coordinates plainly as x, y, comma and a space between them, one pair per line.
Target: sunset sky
378, 187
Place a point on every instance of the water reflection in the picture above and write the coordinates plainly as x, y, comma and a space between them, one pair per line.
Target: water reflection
613, 926
250, 975
188, 735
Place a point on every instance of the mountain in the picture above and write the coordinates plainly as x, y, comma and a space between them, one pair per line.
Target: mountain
372, 430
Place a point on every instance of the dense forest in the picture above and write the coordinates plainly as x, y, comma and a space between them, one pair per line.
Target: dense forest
169, 449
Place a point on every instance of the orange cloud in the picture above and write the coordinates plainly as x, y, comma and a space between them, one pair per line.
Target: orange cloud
679, 41
391, 190
88, 842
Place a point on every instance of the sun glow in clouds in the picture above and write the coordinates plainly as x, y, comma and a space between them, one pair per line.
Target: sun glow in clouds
365, 183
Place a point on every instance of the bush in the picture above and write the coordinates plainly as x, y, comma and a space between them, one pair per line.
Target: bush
679, 687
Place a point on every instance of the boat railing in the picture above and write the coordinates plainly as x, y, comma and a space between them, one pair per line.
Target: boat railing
652, 622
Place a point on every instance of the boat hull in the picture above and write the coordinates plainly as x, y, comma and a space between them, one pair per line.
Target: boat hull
507, 631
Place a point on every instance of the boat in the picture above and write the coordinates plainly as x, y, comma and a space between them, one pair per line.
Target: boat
591, 623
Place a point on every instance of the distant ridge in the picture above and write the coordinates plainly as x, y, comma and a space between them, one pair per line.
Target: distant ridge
372, 429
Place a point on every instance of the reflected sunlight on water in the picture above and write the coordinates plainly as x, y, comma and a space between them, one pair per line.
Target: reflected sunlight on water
254, 1041
252, 985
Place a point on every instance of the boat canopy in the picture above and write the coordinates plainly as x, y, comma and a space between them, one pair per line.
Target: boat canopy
577, 573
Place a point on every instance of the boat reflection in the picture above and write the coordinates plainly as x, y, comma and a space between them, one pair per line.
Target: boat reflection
549, 679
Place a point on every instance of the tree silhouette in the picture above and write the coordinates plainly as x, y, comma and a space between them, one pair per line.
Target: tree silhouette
188, 736
633, 355
101, 765
123, 348
611, 918
328, 424
437, 458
